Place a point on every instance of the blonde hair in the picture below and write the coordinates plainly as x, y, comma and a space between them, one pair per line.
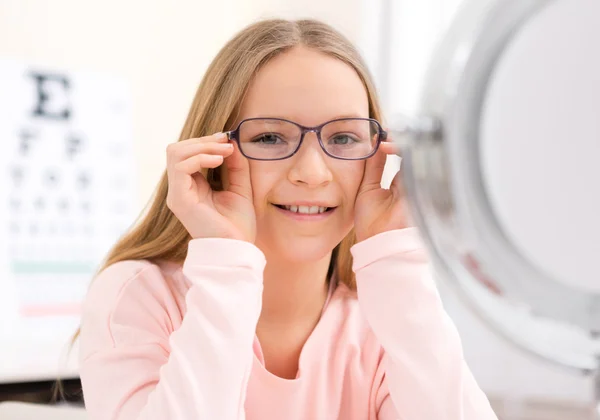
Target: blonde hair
158, 234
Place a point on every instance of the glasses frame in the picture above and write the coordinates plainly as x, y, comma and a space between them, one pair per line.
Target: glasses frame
234, 135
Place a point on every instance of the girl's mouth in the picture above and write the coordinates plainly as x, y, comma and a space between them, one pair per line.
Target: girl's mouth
305, 209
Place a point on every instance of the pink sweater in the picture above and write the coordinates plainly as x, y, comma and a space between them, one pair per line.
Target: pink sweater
172, 342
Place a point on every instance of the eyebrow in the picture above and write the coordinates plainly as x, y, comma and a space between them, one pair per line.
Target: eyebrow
338, 117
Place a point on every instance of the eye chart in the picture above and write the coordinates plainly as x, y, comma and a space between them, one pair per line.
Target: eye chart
66, 195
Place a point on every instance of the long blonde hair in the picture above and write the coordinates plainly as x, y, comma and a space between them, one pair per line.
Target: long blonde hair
158, 234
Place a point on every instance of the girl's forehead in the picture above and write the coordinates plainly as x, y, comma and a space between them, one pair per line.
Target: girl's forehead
307, 94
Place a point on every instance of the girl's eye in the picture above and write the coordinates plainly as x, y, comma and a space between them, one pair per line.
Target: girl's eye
267, 139
344, 139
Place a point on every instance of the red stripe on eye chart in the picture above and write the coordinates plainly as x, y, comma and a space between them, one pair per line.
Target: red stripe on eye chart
50, 310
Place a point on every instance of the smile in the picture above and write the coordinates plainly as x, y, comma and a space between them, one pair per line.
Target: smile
304, 209
305, 212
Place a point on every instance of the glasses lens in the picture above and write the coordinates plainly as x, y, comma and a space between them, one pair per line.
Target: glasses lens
351, 138
268, 138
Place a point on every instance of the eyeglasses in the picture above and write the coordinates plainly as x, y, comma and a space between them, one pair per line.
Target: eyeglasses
277, 139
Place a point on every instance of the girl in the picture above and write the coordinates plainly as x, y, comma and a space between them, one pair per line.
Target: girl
273, 277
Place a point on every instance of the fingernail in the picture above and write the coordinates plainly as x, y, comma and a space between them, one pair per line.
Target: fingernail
220, 135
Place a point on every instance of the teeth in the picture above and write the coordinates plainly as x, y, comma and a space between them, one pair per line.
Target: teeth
306, 209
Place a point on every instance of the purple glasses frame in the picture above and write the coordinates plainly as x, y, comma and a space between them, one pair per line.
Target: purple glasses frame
234, 135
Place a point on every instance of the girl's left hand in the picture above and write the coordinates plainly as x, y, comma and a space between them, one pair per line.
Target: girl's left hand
379, 209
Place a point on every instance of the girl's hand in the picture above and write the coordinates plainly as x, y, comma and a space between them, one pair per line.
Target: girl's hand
378, 209
203, 212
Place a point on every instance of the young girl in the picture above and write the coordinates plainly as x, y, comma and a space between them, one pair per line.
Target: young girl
273, 277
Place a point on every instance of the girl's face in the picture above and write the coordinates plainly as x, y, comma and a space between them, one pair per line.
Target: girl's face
309, 88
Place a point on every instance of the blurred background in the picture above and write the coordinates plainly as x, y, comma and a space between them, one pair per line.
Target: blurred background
71, 186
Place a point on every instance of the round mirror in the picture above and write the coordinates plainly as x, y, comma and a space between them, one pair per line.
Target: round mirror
502, 170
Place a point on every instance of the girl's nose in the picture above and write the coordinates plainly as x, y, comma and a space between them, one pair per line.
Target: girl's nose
310, 164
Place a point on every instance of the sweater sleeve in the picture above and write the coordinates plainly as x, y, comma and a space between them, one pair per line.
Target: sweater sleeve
134, 365
425, 371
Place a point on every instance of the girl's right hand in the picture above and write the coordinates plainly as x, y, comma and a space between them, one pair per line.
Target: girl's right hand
203, 212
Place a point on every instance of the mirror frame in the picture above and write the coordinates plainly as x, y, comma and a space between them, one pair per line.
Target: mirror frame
451, 207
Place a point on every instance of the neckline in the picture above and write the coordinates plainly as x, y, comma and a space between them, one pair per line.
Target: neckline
258, 357
257, 354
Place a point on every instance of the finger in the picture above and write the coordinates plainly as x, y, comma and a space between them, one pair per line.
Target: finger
202, 149
201, 161
390, 148
373, 171
216, 138
185, 176
397, 185
238, 174
179, 151
399, 193
179, 172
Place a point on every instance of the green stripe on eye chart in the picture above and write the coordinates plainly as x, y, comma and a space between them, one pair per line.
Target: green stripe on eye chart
43, 267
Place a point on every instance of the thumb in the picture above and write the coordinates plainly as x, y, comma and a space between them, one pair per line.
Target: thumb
399, 192
397, 185
373, 171
238, 173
